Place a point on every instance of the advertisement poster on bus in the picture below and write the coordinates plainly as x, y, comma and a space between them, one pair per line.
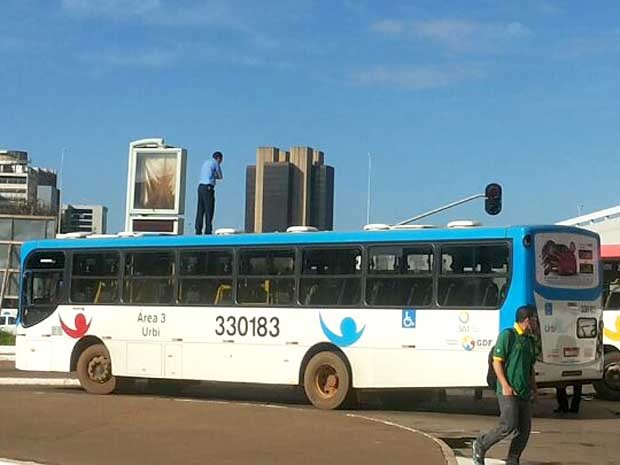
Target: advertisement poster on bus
565, 260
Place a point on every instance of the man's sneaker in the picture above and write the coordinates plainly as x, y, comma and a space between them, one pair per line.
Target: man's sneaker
476, 453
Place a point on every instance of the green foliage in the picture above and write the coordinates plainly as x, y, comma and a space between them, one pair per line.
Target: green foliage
7, 339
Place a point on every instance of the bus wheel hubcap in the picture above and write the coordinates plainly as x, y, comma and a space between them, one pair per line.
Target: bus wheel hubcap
612, 376
99, 369
327, 381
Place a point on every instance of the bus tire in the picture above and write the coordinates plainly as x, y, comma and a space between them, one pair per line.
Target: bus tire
327, 381
94, 370
609, 387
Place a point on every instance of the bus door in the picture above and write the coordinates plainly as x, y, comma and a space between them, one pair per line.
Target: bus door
42, 291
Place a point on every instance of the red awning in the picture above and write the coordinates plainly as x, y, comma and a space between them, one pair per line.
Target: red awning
610, 251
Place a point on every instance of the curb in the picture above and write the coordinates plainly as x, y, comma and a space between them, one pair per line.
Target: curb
7, 350
61, 382
16, 462
447, 452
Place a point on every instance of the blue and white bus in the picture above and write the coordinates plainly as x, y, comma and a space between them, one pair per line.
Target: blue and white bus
331, 311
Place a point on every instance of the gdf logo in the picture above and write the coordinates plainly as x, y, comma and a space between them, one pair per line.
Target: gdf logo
468, 343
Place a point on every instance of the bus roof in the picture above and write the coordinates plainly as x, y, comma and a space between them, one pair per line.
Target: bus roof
322, 237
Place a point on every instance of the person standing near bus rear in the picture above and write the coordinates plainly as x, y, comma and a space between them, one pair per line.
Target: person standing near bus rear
514, 357
210, 173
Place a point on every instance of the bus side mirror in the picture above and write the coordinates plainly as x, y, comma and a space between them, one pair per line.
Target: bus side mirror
493, 199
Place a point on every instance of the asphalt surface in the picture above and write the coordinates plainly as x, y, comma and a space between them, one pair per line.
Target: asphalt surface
66, 426
265, 424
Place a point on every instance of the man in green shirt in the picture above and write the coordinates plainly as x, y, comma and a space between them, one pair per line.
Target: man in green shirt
513, 362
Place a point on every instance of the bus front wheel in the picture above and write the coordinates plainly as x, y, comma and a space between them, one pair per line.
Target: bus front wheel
94, 370
327, 381
609, 387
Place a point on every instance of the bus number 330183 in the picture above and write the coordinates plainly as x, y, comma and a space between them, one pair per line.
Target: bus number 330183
242, 326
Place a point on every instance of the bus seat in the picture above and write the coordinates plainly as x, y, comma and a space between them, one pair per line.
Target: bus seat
449, 294
502, 292
309, 299
491, 294
420, 293
374, 292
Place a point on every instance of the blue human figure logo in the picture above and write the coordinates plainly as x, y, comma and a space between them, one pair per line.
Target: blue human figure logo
349, 334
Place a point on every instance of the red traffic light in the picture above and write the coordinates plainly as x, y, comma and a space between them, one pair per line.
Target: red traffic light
493, 199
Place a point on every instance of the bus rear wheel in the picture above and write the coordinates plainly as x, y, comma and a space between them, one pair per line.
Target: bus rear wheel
327, 381
609, 387
94, 370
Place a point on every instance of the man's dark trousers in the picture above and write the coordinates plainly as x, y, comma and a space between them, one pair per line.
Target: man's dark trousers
515, 419
206, 208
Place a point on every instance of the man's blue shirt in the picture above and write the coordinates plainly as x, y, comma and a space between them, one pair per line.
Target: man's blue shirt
211, 171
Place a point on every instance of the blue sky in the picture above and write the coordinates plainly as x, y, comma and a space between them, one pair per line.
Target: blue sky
447, 96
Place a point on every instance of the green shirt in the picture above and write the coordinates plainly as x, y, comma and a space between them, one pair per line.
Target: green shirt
519, 359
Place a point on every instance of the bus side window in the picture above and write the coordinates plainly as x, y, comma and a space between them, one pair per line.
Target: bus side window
473, 275
205, 277
330, 276
399, 276
149, 277
94, 277
266, 277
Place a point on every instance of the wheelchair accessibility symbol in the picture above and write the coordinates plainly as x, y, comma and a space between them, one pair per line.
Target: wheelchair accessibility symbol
408, 320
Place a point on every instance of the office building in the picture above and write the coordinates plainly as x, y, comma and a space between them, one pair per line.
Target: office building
289, 188
84, 218
25, 189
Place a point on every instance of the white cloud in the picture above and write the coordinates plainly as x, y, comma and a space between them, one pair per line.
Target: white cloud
160, 12
153, 58
458, 35
595, 45
418, 77
114, 9
550, 9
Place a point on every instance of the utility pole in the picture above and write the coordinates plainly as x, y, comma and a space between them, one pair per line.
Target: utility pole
369, 186
59, 183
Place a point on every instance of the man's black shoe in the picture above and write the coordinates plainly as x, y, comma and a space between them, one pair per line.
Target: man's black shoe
476, 453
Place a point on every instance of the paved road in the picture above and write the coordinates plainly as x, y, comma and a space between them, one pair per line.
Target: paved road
69, 427
593, 437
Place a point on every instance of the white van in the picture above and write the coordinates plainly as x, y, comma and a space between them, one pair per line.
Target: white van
7, 320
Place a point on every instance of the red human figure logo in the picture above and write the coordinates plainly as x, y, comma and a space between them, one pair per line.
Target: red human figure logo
81, 327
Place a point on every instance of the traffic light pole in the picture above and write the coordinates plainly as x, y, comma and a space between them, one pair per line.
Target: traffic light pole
440, 209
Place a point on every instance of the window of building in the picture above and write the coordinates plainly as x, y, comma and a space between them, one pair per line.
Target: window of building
400, 276
331, 277
149, 277
473, 275
94, 277
206, 277
266, 277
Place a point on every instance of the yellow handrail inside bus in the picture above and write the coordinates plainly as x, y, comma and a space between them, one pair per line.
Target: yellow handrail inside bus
100, 287
221, 290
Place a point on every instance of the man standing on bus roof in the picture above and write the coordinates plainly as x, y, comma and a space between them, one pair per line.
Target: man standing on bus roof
514, 357
211, 171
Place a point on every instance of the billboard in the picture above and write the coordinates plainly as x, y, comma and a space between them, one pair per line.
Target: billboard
155, 186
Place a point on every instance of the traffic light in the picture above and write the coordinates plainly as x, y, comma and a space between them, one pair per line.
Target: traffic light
493, 199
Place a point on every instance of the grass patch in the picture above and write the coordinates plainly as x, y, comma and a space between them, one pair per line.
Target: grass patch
7, 339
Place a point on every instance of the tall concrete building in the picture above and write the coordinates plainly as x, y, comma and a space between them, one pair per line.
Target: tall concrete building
289, 188
24, 188
84, 218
